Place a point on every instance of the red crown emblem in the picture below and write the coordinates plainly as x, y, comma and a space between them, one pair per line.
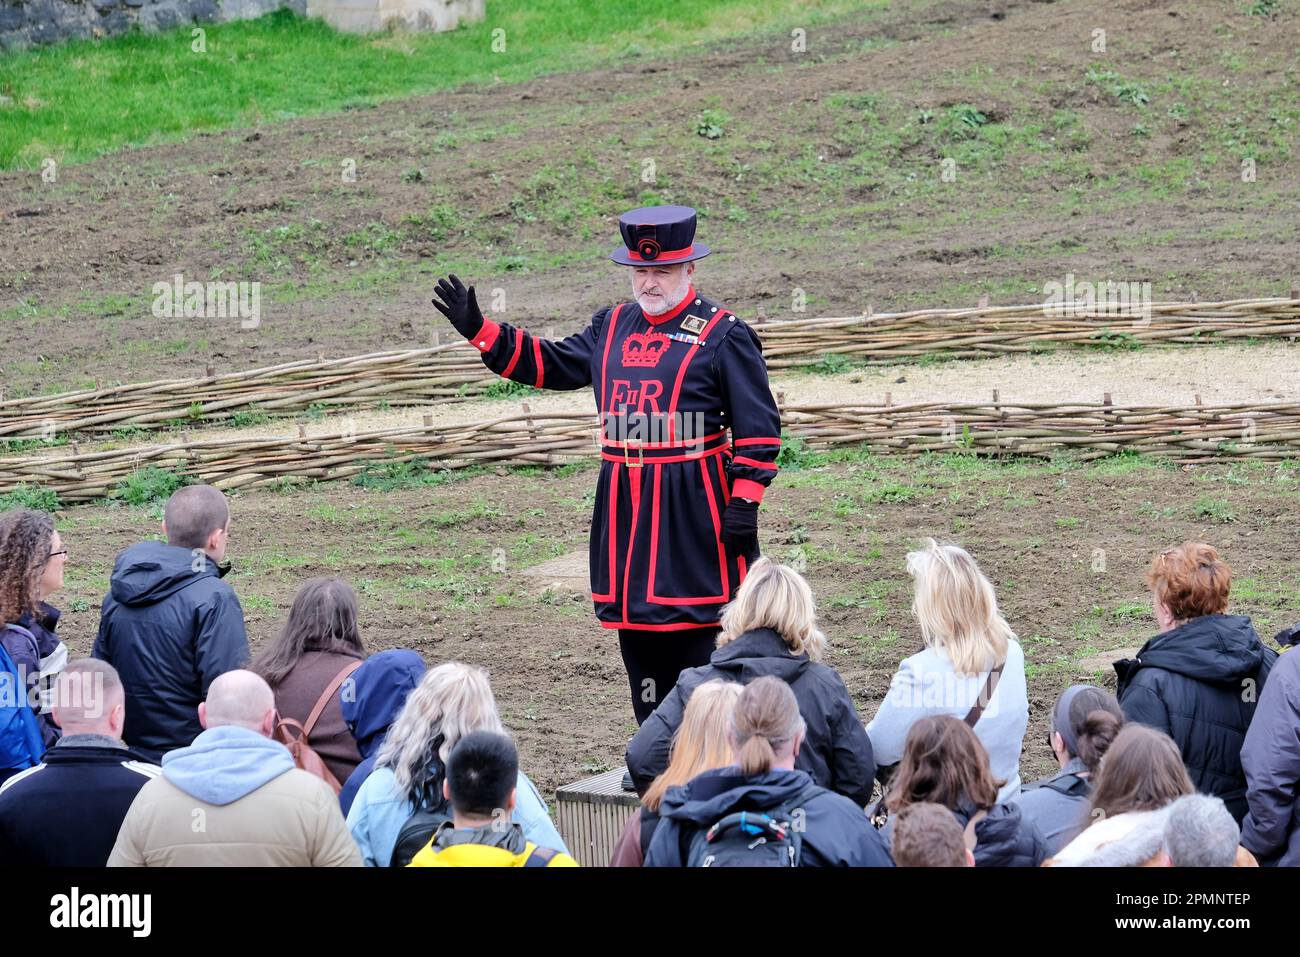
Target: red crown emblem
644, 348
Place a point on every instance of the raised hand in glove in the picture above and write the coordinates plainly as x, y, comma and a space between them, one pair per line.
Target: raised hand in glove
740, 526
459, 305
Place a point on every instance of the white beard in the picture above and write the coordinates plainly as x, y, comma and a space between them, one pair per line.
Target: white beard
672, 299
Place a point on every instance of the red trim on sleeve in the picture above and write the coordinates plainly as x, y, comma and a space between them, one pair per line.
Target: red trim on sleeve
746, 488
487, 335
514, 359
741, 460
761, 440
537, 360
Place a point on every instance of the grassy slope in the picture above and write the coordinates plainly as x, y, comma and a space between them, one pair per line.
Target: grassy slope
1063, 160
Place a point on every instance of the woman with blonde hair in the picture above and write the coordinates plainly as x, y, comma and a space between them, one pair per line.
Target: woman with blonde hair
450, 701
762, 811
972, 666
770, 628
700, 744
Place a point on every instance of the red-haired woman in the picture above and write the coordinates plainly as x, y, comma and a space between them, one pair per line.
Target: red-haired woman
1199, 678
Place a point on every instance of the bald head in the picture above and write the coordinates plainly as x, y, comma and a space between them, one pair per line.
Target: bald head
89, 699
194, 516
239, 698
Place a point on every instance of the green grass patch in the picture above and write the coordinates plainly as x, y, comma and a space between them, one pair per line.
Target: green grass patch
149, 486
1126, 91
30, 496
1214, 508
18, 446
508, 389
795, 453
410, 473
79, 99
251, 416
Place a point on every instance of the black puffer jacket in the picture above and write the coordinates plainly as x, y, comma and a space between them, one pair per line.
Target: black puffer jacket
170, 626
836, 751
1198, 683
1005, 837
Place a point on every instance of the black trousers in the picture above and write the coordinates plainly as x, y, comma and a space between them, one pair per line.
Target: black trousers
654, 659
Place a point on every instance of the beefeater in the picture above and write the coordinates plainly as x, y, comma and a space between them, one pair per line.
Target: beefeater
690, 436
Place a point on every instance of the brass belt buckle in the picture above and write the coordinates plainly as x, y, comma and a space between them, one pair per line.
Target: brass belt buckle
640, 454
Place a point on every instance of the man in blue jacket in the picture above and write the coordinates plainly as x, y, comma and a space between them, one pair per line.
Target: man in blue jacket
170, 625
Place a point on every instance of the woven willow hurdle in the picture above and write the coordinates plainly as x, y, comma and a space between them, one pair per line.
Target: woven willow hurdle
1187, 434
454, 372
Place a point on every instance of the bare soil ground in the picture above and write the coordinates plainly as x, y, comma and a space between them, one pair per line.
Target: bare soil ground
1065, 546
826, 181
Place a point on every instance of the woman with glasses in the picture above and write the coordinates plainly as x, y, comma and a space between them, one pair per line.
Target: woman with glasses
32, 557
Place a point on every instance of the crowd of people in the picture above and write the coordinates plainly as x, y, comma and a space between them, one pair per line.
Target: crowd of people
172, 745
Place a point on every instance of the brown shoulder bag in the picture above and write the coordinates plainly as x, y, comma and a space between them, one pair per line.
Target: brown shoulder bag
297, 737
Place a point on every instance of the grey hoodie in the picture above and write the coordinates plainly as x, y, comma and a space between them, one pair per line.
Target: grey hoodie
225, 764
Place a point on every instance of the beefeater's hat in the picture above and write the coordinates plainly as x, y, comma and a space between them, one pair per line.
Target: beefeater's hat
658, 236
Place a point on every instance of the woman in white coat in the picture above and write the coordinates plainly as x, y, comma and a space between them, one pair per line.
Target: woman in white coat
966, 640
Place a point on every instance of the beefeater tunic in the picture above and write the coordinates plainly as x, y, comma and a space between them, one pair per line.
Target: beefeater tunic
688, 420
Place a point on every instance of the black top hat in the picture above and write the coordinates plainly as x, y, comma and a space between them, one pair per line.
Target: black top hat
658, 236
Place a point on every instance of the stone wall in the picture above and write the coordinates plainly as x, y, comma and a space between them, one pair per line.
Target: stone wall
366, 16
26, 23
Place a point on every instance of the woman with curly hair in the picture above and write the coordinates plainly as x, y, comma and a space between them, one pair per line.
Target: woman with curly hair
32, 557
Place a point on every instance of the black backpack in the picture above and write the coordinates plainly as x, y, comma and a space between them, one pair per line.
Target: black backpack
432, 810
771, 837
417, 832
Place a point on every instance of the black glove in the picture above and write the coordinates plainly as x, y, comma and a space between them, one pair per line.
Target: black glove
459, 305
740, 526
